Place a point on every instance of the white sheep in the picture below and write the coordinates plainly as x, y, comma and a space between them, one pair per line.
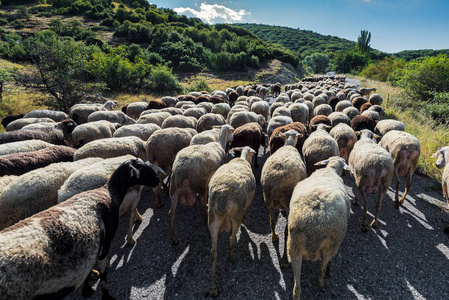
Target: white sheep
112, 147
195, 112
155, 118
405, 150
299, 112
35, 191
317, 222
239, 118
231, 191
383, 126
179, 121
280, 174
80, 112
88, 132
53, 252
443, 157
114, 116
142, 131
23, 146
221, 109
20, 123
373, 168
55, 115
276, 122
345, 137
133, 110
192, 169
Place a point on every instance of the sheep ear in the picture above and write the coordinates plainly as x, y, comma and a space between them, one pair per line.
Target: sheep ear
376, 136
435, 154
314, 126
157, 169
322, 163
237, 148
134, 173
349, 169
299, 135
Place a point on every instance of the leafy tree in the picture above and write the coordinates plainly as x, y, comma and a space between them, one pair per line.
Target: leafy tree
162, 80
382, 69
350, 62
317, 63
61, 69
363, 41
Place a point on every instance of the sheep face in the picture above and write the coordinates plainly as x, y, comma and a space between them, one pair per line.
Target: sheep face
441, 154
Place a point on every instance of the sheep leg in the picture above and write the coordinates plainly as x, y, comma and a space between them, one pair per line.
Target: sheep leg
323, 270
408, 185
203, 197
171, 214
365, 211
356, 197
137, 216
157, 192
379, 204
214, 229
104, 266
235, 229
129, 236
87, 290
296, 265
274, 235
396, 196
445, 193
284, 259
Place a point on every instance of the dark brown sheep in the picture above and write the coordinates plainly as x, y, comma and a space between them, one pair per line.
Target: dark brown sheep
333, 102
249, 134
201, 99
8, 119
277, 141
156, 104
232, 97
362, 122
357, 102
276, 89
365, 107
61, 134
317, 120
216, 99
21, 163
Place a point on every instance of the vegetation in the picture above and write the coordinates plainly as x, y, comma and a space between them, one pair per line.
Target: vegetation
363, 41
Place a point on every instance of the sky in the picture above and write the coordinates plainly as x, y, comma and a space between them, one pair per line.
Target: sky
395, 25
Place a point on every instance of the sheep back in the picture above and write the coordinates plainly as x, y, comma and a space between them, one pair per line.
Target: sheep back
112, 147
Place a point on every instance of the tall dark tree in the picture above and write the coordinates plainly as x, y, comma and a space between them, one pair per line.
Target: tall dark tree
363, 41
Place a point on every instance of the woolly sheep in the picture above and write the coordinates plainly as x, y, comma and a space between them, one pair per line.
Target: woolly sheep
276, 122
364, 107
379, 109
362, 122
35, 191
179, 121
192, 169
372, 114
317, 147
376, 99
345, 137
55, 115
317, 222
169, 101
299, 112
80, 112
405, 150
112, 147
231, 191
207, 121
249, 134
205, 137
5, 180
383, 126
133, 110
373, 168
261, 108
338, 117
195, 112
443, 157
320, 119
21, 163
9, 118
88, 132
240, 118
277, 139
155, 118
142, 131
322, 109
351, 112
20, 123
358, 102
221, 109
318, 100
70, 239
342, 105
280, 174
156, 104
206, 105
61, 134
282, 98
366, 91
111, 116
23, 146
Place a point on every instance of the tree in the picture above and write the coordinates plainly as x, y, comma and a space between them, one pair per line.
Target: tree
61, 69
5, 76
363, 41
316, 63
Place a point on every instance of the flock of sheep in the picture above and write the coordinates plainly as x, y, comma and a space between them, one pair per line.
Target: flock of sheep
66, 178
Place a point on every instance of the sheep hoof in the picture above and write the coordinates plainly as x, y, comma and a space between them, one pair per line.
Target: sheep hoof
364, 228
232, 256
397, 204
130, 241
213, 292
274, 237
87, 291
284, 263
174, 241
320, 282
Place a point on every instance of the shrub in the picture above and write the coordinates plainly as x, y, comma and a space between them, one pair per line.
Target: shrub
162, 80
382, 69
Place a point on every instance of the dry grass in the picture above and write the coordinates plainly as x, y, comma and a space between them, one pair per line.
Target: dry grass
430, 137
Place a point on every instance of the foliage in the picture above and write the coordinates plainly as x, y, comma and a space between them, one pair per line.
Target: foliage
363, 41
437, 108
424, 77
162, 80
409, 55
316, 63
350, 61
382, 69
11, 47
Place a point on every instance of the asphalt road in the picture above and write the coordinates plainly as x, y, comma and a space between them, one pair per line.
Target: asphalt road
406, 257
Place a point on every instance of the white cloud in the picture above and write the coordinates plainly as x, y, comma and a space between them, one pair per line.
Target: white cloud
214, 13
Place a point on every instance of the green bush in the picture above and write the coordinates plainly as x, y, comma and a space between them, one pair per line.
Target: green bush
437, 108
162, 80
382, 69
3, 22
318, 63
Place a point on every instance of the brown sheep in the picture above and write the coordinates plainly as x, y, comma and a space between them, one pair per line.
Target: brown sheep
277, 141
333, 102
358, 102
362, 122
249, 134
156, 104
317, 120
8, 119
365, 107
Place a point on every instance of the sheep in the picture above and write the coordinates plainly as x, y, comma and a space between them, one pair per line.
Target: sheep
277, 139
169, 101
366, 91
317, 222
379, 109
21, 163
80, 112
231, 191
383, 126
317, 147
299, 112
179, 121
20, 123
322, 109
157, 104
35, 191
55, 115
111, 116
221, 109
280, 174
207, 106
365, 107
333, 101
342, 105
162, 147
362, 122
345, 137
112, 147
373, 168
240, 118
192, 169
276, 122
249, 134
142, 131
88, 132
205, 137
195, 112
69, 238
155, 118
23, 146
61, 134
338, 117
274, 106
351, 112
276, 89
320, 119
376, 99
233, 96
358, 102
405, 150
372, 114
133, 110
9, 118
442, 154
318, 100
5, 180
281, 111
261, 108
207, 121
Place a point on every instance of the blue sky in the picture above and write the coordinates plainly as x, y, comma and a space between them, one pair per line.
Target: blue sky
395, 25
